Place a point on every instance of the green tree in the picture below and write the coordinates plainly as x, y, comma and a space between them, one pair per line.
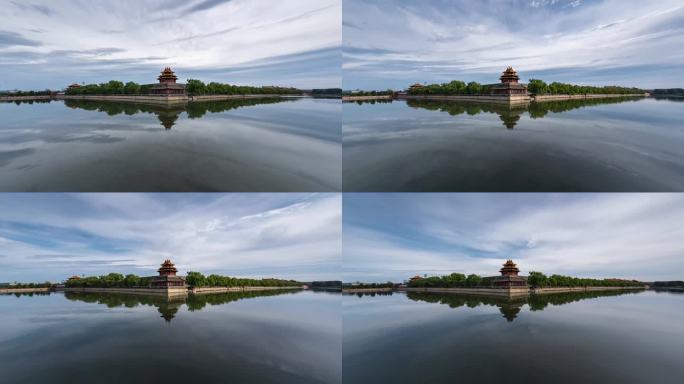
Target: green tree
196, 279
132, 88
474, 88
195, 87
473, 280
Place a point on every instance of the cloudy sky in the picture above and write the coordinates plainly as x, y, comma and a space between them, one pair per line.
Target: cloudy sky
395, 43
395, 236
53, 43
53, 236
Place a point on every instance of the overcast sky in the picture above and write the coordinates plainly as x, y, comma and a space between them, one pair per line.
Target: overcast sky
53, 43
53, 236
396, 236
395, 43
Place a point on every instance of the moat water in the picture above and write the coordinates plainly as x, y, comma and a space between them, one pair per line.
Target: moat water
269, 144
574, 145
605, 337
252, 337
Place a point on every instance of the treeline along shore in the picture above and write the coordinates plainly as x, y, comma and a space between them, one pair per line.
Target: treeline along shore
535, 283
536, 90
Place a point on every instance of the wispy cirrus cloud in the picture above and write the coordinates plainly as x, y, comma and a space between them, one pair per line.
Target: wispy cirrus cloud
53, 236
394, 43
84, 41
395, 236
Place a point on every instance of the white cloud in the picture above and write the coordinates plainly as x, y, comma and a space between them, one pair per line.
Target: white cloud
435, 41
284, 235
609, 235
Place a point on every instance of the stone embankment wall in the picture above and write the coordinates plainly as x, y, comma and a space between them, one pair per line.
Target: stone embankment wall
579, 97
237, 289
366, 290
377, 97
230, 97
20, 290
146, 99
539, 291
129, 98
503, 292
488, 99
21, 98
134, 291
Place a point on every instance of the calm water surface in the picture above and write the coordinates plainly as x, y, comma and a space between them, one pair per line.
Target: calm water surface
593, 145
264, 337
560, 338
235, 145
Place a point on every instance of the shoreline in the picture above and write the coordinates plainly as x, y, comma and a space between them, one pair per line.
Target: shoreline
377, 97
150, 99
173, 292
21, 290
237, 289
498, 292
511, 99
367, 290
26, 98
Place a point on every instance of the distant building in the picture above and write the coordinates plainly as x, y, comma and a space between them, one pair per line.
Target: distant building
167, 84
509, 84
414, 278
415, 86
509, 276
167, 277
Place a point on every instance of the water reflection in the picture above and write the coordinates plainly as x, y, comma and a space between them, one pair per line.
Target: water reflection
168, 114
370, 294
255, 145
510, 308
611, 145
510, 114
29, 294
168, 307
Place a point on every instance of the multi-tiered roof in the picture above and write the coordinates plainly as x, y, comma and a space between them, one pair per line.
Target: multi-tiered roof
509, 268
509, 277
167, 84
167, 269
509, 76
509, 85
167, 277
167, 76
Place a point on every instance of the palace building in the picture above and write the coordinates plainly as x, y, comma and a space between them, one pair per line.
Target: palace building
509, 84
167, 277
167, 84
509, 277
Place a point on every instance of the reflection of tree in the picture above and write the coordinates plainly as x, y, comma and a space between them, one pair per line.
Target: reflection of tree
370, 101
371, 294
542, 108
30, 101
168, 114
510, 113
510, 307
167, 307
19, 294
